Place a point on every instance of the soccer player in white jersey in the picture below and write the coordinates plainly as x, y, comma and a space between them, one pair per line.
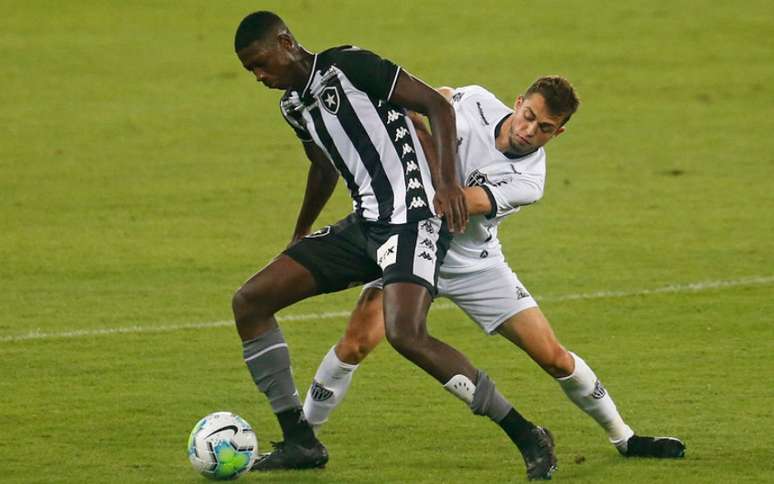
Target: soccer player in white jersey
501, 160
348, 107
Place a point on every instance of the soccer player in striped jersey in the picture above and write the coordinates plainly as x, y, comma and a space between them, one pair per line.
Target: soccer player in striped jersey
348, 107
501, 160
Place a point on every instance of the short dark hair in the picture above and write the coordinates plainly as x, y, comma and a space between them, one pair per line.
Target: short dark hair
255, 26
559, 95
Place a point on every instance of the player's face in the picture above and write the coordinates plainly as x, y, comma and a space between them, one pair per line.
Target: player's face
270, 62
533, 124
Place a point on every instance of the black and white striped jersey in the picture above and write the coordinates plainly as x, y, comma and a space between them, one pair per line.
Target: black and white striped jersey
344, 109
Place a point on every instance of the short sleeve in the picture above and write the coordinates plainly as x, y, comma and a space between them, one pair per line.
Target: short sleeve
367, 71
507, 196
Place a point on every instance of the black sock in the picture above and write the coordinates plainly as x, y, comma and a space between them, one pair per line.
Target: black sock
517, 427
295, 428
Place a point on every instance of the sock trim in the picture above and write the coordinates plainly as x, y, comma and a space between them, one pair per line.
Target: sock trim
574, 370
266, 350
343, 364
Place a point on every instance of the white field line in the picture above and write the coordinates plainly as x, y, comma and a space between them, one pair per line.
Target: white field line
441, 306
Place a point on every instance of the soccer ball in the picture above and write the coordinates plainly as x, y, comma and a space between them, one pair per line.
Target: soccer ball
222, 446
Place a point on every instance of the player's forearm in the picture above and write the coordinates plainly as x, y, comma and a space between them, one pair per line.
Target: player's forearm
428, 146
441, 116
320, 183
478, 201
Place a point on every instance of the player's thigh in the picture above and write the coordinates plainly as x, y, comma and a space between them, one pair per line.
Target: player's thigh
530, 331
489, 296
405, 313
281, 283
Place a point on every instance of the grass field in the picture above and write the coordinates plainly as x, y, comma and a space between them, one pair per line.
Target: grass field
144, 175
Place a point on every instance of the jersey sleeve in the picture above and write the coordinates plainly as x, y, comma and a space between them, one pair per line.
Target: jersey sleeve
507, 195
292, 116
368, 72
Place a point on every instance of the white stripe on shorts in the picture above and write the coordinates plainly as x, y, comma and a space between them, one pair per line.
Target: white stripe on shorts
425, 256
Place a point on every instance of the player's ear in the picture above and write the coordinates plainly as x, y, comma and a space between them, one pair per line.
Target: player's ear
285, 40
517, 104
559, 131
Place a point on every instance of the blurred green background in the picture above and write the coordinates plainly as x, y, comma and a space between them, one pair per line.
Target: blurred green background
144, 175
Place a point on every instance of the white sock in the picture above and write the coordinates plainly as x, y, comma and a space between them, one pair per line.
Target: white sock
585, 391
330, 384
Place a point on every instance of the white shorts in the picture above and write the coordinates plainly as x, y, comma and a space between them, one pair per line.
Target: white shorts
489, 296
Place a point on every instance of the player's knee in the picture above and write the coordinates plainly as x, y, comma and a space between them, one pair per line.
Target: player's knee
406, 339
249, 301
559, 362
353, 351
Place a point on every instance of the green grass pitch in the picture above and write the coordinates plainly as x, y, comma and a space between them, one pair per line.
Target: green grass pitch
144, 175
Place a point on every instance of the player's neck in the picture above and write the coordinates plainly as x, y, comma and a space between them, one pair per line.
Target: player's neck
305, 64
502, 142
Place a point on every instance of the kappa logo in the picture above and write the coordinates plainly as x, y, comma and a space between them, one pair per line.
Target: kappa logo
427, 243
407, 149
411, 166
400, 133
392, 115
599, 391
329, 99
521, 293
425, 255
319, 393
414, 184
417, 202
427, 226
457, 96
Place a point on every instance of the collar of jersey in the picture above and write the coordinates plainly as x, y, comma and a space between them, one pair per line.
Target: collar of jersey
311, 76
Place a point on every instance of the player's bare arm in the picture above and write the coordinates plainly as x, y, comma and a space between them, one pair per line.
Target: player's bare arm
415, 95
320, 183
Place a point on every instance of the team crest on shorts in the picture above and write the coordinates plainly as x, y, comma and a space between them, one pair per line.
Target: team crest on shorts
329, 99
320, 233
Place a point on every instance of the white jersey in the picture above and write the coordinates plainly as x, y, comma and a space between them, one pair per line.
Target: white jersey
510, 182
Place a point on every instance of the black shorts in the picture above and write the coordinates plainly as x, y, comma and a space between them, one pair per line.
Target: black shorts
353, 252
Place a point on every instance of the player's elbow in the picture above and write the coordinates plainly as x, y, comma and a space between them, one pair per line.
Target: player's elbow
439, 108
531, 195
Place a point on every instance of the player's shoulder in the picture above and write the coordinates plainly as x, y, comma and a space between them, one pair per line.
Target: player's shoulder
477, 103
477, 98
533, 163
466, 94
344, 54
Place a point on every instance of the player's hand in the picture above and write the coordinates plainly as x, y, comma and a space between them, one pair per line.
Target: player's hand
450, 203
